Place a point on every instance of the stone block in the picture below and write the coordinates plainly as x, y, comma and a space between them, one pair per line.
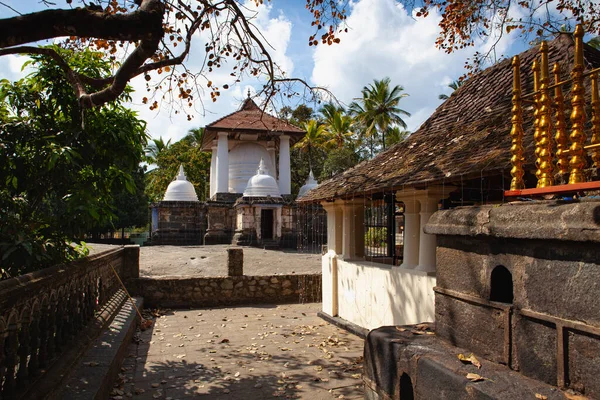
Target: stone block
227, 284
235, 262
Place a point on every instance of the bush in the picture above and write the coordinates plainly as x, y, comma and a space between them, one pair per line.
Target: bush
376, 237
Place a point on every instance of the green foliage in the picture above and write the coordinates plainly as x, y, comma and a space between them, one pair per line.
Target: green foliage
376, 237
337, 161
59, 167
196, 164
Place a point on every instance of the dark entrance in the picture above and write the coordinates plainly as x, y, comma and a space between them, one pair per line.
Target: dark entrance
266, 224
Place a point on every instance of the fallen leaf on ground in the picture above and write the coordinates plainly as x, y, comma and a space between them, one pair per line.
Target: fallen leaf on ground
400, 329
475, 377
541, 396
470, 359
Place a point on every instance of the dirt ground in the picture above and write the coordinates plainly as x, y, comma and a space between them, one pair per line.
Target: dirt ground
171, 261
243, 353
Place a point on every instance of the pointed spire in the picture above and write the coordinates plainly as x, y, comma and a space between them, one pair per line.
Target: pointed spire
262, 168
248, 92
181, 175
311, 177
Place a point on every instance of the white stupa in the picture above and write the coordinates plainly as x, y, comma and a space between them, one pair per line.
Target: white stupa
311, 183
262, 184
180, 189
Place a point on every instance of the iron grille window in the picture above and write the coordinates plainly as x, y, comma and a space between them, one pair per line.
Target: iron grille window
383, 220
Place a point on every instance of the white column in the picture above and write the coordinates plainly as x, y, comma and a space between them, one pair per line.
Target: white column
285, 182
213, 170
412, 228
329, 261
428, 242
359, 229
335, 227
222, 164
348, 234
271, 151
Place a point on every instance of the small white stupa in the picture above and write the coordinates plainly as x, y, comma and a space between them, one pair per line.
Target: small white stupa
262, 184
180, 189
311, 183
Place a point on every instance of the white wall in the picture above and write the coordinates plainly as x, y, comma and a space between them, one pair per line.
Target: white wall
373, 295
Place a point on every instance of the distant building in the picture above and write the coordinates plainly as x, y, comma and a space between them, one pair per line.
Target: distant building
250, 187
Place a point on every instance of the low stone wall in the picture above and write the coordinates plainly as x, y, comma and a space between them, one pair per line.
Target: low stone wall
225, 291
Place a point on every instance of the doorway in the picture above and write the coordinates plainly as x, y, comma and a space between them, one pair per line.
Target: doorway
266, 224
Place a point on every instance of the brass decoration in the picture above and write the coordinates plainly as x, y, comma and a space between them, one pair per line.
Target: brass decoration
544, 144
536, 114
516, 133
576, 151
595, 120
562, 142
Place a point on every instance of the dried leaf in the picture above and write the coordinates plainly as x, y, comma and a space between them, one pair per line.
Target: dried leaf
541, 396
400, 329
470, 359
573, 396
475, 377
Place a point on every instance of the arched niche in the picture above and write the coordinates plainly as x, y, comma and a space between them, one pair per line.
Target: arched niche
501, 285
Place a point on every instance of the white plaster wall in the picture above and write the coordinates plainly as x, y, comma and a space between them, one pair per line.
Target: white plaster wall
373, 295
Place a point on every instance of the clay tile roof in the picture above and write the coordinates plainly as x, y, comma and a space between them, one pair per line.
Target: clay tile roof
466, 136
250, 118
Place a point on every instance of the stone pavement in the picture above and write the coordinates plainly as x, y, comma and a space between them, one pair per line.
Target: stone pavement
253, 352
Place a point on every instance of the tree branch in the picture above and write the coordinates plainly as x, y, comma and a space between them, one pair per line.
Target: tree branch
82, 22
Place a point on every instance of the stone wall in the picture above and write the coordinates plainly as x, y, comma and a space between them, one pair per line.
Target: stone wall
546, 321
179, 223
226, 291
48, 317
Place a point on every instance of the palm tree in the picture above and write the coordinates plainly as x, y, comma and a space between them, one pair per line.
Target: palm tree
329, 110
395, 135
454, 86
154, 148
378, 109
195, 136
314, 139
339, 129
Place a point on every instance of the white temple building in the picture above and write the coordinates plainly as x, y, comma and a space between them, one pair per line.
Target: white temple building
250, 178
251, 200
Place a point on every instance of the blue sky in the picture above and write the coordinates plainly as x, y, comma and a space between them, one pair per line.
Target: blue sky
383, 40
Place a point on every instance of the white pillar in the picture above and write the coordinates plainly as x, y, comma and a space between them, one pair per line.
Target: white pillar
329, 261
359, 229
222, 179
428, 242
285, 182
412, 228
271, 151
213, 170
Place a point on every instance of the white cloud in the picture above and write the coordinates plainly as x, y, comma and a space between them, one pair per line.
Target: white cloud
384, 40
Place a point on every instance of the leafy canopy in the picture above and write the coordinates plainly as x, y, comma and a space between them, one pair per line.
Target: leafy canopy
59, 167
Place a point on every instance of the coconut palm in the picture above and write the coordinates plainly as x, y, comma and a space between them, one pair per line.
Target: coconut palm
195, 136
329, 110
377, 109
454, 86
154, 148
314, 139
339, 129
